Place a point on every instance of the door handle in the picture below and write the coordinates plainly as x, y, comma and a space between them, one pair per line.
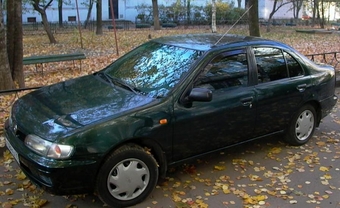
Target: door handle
248, 101
301, 87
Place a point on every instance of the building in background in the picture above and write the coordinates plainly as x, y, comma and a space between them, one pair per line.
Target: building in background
123, 10
127, 10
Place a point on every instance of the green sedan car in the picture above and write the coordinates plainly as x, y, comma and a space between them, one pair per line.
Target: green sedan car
115, 132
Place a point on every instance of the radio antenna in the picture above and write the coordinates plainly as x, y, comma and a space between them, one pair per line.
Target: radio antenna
233, 25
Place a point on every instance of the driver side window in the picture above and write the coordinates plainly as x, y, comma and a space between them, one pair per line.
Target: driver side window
225, 71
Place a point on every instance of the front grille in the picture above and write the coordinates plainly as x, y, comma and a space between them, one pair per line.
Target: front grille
34, 172
13, 126
20, 135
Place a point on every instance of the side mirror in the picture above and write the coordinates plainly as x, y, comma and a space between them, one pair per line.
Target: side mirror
200, 94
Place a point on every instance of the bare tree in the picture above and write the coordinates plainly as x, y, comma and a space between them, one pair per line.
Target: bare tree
322, 20
297, 5
41, 8
60, 12
188, 12
239, 4
254, 28
99, 30
246, 3
14, 41
213, 16
315, 14
156, 24
89, 11
6, 81
277, 4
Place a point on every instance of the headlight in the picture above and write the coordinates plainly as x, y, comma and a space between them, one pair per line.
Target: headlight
48, 149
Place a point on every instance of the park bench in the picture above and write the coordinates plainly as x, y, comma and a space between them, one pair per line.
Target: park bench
53, 58
120, 24
290, 24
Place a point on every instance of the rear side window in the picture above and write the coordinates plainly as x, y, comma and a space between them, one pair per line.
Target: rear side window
275, 64
271, 64
294, 68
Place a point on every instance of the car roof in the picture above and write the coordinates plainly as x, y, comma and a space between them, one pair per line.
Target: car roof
206, 41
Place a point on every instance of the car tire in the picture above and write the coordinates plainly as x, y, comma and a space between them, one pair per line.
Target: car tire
302, 126
127, 176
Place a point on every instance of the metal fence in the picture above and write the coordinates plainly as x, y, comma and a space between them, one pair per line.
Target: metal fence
331, 58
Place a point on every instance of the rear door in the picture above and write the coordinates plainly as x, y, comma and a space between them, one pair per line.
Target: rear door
281, 89
228, 118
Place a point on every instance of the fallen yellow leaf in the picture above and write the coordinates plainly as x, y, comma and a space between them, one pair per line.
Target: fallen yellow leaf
327, 176
219, 167
226, 189
323, 168
20, 175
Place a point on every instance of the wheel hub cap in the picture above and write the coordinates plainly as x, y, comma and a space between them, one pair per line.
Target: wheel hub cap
128, 179
304, 125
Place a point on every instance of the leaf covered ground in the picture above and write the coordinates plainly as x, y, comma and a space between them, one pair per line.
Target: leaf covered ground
259, 175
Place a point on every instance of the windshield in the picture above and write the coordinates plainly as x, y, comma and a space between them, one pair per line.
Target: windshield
153, 68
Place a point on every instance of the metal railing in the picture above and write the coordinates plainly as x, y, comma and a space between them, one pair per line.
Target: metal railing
331, 58
19, 90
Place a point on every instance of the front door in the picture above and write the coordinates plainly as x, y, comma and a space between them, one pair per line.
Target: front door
227, 119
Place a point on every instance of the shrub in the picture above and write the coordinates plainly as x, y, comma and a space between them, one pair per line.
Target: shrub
225, 13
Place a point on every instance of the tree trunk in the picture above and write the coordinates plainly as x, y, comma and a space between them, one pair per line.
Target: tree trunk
274, 10
18, 72
318, 16
14, 41
213, 16
60, 12
254, 28
239, 4
6, 81
10, 32
47, 28
246, 3
89, 11
269, 22
322, 19
156, 25
297, 4
42, 12
188, 12
99, 30
315, 9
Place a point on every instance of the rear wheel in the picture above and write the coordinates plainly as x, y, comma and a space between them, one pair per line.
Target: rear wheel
127, 177
302, 126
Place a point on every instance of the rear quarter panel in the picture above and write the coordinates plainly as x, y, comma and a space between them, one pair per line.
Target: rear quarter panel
324, 81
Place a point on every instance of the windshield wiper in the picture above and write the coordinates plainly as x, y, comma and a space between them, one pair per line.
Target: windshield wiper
117, 82
107, 78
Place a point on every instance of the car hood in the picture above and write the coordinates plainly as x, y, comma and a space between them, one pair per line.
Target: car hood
55, 110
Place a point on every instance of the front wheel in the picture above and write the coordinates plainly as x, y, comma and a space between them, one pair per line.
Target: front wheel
302, 126
127, 176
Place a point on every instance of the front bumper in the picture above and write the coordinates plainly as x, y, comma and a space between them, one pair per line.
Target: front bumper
60, 177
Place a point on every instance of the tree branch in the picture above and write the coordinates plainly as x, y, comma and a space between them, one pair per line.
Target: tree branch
48, 4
